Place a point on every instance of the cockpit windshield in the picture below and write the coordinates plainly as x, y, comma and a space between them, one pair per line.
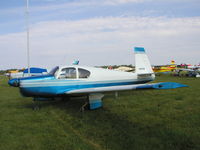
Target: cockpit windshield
53, 71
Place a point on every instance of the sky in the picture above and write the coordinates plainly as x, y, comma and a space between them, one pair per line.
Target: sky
99, 32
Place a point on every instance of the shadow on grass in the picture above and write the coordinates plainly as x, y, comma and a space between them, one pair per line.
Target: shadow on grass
115, 131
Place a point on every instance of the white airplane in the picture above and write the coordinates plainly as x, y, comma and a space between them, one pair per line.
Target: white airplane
91, 81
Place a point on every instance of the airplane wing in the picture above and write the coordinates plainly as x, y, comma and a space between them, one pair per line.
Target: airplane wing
183, 69
162, 85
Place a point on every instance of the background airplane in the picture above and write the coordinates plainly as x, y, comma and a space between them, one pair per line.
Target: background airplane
165, 68
91, 81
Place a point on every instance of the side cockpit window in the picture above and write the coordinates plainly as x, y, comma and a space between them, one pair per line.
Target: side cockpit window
83, 73
68, 73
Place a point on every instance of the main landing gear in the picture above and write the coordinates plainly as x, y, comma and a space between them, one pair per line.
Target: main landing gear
93, 101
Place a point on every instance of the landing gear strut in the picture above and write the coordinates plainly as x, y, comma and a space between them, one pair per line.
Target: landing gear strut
93, 101
35, 104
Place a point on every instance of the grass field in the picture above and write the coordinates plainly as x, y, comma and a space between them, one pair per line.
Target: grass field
139, 120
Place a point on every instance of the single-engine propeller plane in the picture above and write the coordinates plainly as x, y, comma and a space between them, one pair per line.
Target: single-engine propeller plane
91, 81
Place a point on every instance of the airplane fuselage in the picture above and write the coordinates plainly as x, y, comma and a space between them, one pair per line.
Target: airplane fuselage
65, 79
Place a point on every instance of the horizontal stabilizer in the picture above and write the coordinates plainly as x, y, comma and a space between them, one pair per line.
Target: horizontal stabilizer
162, 85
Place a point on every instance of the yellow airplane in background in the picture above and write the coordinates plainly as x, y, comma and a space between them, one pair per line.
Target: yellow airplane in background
165, 68
13, 71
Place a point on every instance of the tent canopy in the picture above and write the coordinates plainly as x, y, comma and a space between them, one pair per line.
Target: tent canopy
35, 70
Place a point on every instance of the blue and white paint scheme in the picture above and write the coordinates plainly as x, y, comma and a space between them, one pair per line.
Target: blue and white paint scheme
92, 81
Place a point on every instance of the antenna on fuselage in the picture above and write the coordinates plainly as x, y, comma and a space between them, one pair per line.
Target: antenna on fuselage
27, 25
76, 62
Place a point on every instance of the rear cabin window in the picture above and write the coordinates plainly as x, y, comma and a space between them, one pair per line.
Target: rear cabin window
68, 73
83, 73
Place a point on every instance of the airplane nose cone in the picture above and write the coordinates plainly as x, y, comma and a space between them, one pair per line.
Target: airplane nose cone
14, 82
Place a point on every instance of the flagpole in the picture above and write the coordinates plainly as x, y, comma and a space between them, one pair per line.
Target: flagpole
27, 25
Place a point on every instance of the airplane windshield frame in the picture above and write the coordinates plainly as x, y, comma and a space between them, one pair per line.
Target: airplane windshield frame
53, 71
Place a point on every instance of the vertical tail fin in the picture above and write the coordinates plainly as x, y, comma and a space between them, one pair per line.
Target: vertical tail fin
142, 64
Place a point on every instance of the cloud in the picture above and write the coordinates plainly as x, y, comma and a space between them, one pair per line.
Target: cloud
50, 5
115, 2
104, 41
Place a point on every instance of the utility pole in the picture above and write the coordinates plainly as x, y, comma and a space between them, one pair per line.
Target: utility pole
27, 25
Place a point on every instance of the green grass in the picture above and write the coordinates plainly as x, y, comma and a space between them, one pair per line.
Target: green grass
140, 120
